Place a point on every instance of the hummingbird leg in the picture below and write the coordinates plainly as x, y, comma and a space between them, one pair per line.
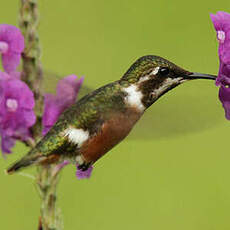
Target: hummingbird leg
84, 166
81, 164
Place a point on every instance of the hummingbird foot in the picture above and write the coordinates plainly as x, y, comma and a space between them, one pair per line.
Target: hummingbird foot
84, 166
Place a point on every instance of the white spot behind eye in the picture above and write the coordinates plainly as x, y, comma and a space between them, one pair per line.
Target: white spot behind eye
148, 76
156, 70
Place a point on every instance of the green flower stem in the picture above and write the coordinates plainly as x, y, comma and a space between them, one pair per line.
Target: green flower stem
32, 74
47, 183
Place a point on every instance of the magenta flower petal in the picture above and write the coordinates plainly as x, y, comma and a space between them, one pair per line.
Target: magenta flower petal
10, 61
16, 110
68, 88
224, 95
29, 117
13, 36
67, 91
15, 89
84, 174
52, 110
15, 75
3, 47
221, 23
7, 143
11, 46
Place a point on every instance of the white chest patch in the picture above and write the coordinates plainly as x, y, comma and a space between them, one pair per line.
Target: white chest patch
134, 97
77, 136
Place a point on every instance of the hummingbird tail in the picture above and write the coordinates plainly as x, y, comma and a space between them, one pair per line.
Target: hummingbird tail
27, 160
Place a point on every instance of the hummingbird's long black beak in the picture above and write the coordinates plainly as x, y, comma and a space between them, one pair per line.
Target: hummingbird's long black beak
195, 75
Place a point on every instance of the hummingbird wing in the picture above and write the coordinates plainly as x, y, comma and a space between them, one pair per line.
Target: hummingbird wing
81, 120
54, 138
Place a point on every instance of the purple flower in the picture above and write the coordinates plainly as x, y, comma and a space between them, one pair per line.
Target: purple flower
84, 174
7, 142
16, 111
11, 46
221, 23
224, 95
67, 91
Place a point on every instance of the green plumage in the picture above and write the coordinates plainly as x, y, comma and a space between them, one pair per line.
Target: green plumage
85, 114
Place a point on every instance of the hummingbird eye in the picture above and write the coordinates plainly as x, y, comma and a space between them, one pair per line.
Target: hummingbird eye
164, 71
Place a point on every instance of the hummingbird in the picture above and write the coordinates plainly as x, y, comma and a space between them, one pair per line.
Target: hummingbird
103, 118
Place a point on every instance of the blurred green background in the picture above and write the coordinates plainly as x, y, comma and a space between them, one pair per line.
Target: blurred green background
173, 171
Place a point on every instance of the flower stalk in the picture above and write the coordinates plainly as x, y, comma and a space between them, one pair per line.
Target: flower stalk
47, 184
32, 74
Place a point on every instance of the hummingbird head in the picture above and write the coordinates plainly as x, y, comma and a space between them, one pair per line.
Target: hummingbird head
152, 76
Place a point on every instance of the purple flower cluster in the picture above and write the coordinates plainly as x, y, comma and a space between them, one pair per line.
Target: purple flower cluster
17, 100
221, 23
16, 110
